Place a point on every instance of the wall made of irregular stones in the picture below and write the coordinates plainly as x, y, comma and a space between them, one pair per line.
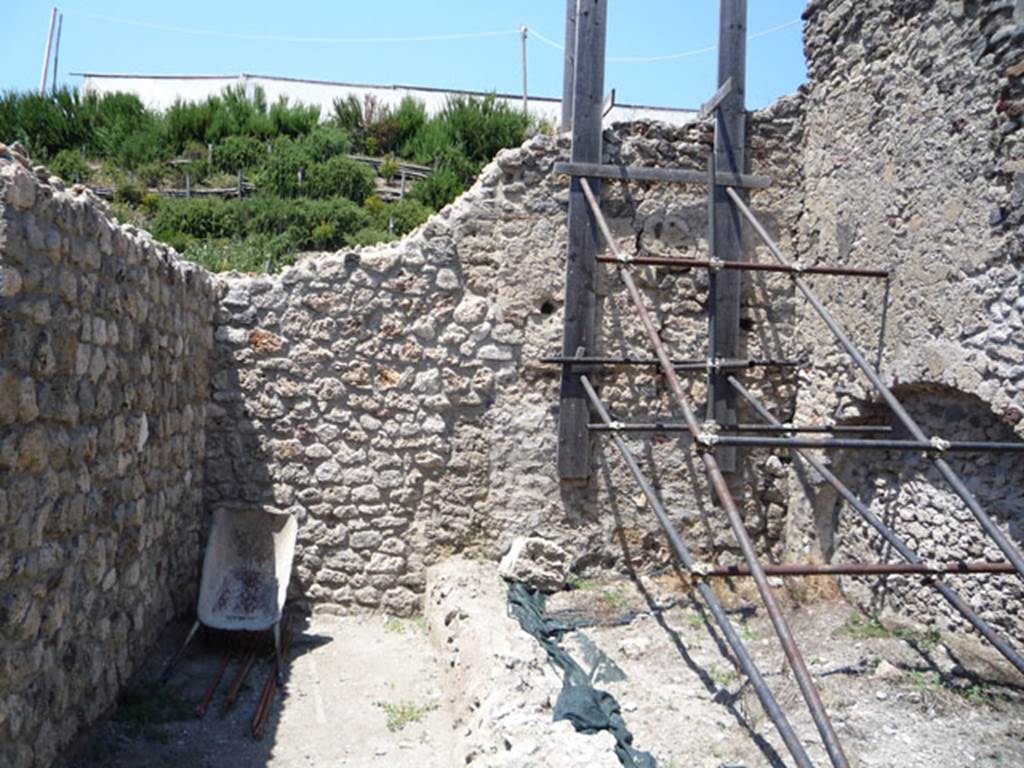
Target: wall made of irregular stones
914, 161
393, 400
103, 396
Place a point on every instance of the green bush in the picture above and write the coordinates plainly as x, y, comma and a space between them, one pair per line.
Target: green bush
151, 174
401, 216
327, 141
323, 235
339, 176
239, 153
212, 218
293, 121
440, 187
280, 174
69, 165
128, 192
368, 236
348, 115
252, 254
389, 167
150, 203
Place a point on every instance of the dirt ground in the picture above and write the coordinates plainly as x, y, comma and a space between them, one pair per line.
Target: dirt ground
897, 695
367, 691
360, 692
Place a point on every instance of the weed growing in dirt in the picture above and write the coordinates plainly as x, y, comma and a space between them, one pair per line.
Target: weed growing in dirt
400, 626
616, 597
723, 678
399, 714
861, 627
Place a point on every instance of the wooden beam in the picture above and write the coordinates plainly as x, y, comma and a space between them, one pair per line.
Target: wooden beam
581, 264
730, 140
569, 66
708, 108
671, 175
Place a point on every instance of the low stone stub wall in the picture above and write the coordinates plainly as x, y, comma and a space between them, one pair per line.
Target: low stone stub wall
103, 397
393, 400
914, 161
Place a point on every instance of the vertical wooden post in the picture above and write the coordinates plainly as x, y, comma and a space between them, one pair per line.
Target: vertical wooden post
580, 298
570, 62
724, 288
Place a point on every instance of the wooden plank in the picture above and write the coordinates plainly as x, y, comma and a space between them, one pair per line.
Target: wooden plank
569, 66
712, 104
581, 264
725, 286
670, 175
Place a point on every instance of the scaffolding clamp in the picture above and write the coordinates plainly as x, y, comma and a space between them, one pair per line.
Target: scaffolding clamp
701, 570
940, 445
707, 438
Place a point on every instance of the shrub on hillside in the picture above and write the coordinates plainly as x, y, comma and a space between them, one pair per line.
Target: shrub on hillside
325, 142
212, 218
440, 187
280, 174
239, 153
339, 176
399, 217
70, 166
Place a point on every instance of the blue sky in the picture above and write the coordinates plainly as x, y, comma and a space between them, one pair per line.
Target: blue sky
190, 37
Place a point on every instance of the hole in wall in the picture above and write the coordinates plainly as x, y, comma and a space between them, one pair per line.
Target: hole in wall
547, 307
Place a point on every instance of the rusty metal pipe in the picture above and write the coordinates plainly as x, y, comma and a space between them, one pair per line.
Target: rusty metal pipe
953, 446
669, 426
208, 696
950, 596
1010, 552
796, 661
259, 720
750, 266
682, 554
243, 672
863, 569
679, 365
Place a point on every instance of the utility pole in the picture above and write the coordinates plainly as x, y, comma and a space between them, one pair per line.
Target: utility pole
570, 63
522, 34
56, 51
46, 56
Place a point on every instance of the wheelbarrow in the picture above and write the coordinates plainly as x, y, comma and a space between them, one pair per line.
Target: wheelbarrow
246, 569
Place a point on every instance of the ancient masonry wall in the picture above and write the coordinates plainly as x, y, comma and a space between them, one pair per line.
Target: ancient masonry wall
914, 160
392, 397
106, 338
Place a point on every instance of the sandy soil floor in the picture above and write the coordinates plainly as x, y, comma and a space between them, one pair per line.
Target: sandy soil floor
360, 692
898, 696
370, 691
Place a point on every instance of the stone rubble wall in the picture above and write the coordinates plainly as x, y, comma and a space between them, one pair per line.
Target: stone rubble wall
914, 160
104, 383
393, 400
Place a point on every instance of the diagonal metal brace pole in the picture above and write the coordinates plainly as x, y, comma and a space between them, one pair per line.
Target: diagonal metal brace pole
948, 474
717, 479
682, 554
951, 597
